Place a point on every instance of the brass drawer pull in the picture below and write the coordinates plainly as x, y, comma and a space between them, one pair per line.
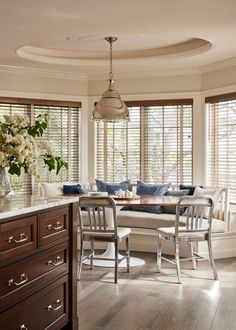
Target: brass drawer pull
55, 306
58, 261
22, 238
57, 226
23, 327
23, 279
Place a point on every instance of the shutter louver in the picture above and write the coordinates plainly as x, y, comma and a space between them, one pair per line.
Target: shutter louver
168, 144
222, 144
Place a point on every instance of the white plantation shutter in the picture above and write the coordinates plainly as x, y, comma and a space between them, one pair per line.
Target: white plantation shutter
74, 144
64, 133
20, 184
186, 144
155, 146
118, 149
222, 142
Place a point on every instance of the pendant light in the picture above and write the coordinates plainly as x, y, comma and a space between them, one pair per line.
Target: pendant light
110, 107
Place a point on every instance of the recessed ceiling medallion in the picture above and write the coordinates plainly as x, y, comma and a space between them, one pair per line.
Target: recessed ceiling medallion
83, 50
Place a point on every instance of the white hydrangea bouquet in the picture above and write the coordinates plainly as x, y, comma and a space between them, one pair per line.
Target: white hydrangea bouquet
21, 145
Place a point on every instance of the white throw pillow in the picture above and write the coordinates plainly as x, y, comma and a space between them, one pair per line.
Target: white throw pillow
51, 189
214, 192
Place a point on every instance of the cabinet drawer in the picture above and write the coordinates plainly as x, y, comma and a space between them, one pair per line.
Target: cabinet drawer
18, 237
48, 309
20, 279
53, 226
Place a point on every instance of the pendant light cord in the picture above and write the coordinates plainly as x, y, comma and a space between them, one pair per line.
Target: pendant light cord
111, 40
111, 73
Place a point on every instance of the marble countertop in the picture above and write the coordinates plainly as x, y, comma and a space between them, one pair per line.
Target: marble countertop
19, 205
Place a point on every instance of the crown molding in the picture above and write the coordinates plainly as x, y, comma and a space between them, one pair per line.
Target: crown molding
219, 90
119, 75
218, 65
43, 73
43, 96
152, 96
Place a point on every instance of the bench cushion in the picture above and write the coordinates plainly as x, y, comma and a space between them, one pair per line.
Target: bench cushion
135, 219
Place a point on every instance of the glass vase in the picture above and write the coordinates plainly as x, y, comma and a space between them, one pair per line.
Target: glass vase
5, 185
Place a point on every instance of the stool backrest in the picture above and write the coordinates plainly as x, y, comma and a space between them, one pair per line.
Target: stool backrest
97, 214
196, 209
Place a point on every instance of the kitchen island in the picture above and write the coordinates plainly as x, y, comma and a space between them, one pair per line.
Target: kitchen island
38, 262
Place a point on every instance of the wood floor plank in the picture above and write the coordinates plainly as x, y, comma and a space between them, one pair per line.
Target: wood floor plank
143, 299
225, 317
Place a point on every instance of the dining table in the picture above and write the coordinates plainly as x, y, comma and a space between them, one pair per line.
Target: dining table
144, 200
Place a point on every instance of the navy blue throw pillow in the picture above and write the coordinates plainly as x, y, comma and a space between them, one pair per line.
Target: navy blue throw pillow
172, 209
112, 187
149, 189
191, 188
73, 189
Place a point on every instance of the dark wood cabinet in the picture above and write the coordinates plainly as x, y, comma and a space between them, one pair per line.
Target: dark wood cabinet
38, 265
46, 309
18, 237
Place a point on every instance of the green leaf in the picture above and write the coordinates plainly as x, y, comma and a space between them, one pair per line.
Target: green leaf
15, 169
55, 163
39, 126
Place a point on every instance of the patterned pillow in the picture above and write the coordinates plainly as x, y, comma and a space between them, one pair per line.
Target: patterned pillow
112, 187
172, 209
149, 189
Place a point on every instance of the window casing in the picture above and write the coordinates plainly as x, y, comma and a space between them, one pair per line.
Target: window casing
63, 132
221, 113
155, 146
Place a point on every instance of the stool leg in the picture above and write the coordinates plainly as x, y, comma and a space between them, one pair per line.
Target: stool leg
92, 254
212, 259
159, 252
80, 261
192, 245
127, 253
116, 260
177, 261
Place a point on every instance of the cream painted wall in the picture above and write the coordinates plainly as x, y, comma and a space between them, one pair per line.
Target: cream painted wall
219, 78
37, 83
149, 85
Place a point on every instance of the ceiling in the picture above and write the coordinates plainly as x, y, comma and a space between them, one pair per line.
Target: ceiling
153, 35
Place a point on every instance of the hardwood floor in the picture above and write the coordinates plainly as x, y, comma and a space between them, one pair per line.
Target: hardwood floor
144, 299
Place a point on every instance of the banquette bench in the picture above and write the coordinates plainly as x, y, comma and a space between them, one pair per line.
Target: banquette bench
144, 224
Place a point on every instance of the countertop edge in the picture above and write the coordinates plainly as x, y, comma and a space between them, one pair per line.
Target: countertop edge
44, 203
